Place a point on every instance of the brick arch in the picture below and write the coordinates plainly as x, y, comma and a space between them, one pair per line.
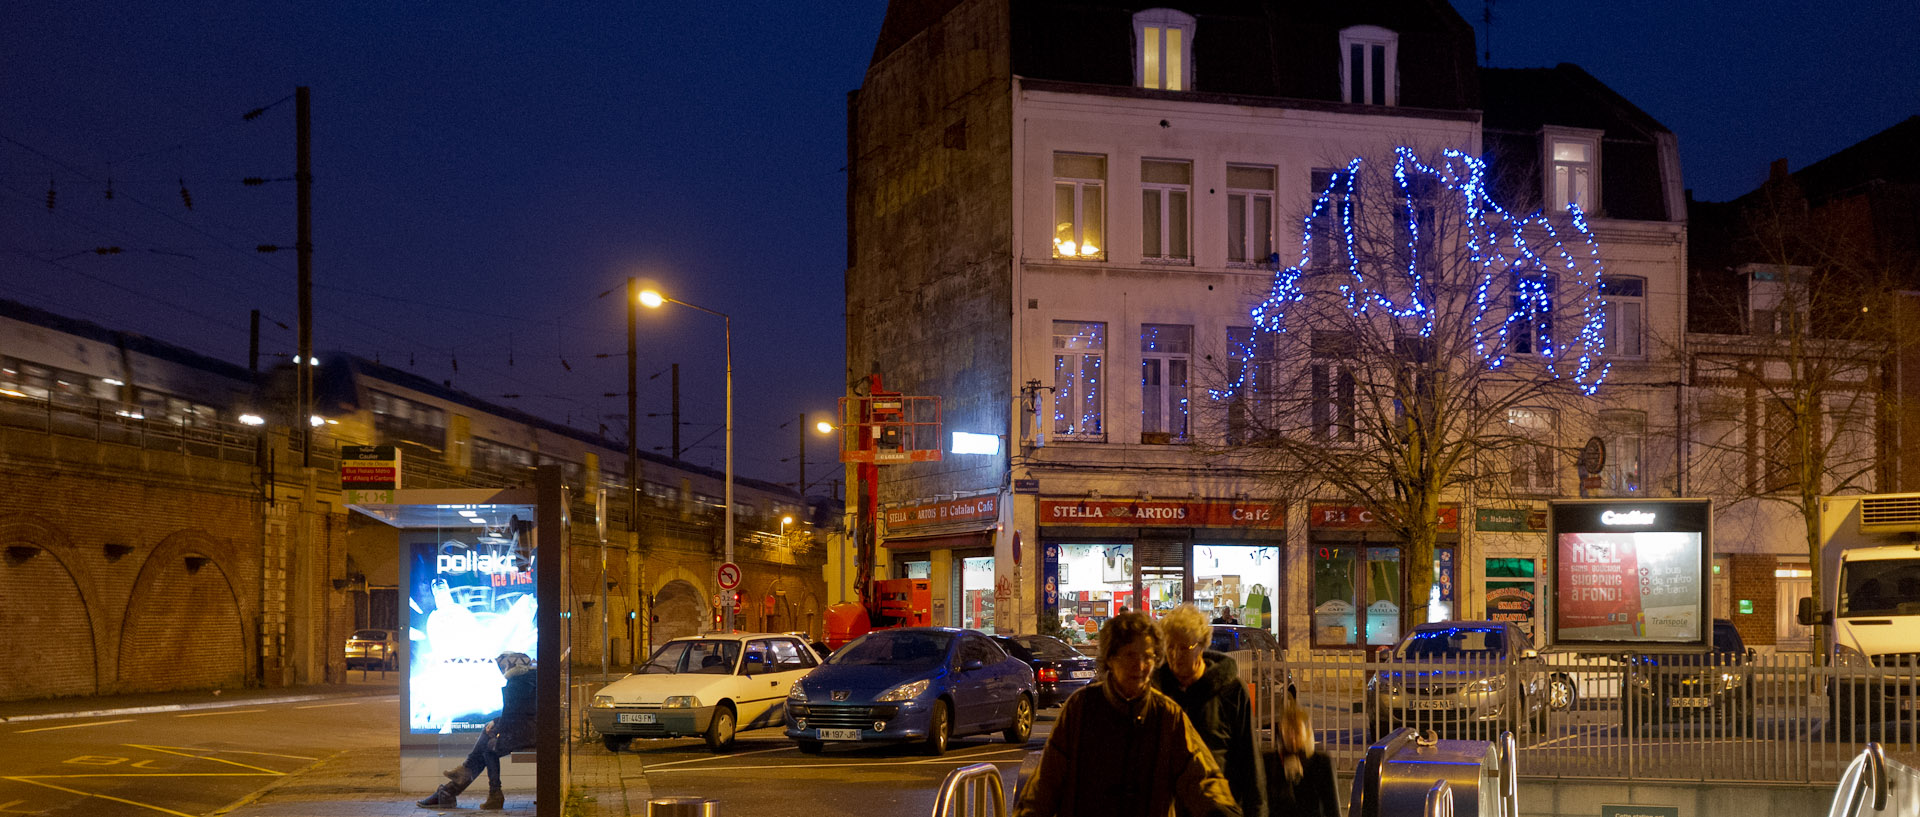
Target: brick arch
63, 630
184, 628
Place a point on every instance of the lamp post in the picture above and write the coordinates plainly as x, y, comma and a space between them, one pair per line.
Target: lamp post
642, 619
652, 299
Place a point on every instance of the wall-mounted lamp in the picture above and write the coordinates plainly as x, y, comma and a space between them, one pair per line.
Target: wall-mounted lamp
115, 550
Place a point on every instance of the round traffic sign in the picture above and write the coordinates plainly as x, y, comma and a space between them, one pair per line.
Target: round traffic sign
729, 576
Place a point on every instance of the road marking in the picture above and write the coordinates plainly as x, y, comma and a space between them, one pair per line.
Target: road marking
75, 725
184, 752
326, 706
152, 774
265, 754
220, 712
8, 808
975, 758
651, 766
1019, 749
101, 796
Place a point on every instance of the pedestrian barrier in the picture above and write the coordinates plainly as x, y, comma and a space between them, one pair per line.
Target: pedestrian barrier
971, 791
1876, 786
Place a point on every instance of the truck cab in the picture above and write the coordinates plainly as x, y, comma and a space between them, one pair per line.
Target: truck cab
1870, 604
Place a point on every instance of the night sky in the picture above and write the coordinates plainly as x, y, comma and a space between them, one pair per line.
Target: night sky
485, 171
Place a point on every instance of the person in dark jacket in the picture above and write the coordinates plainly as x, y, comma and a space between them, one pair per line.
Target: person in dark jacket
1206, 685
1120, 748
1301, 778
510, 732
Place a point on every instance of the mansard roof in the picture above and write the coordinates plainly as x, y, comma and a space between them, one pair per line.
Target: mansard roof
1519, 102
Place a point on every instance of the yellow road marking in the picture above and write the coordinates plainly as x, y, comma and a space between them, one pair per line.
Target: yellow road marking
219, 712
862, 764
75, 725
265, 754
101, 796
324, 706
140, 774
650, 766
185, 752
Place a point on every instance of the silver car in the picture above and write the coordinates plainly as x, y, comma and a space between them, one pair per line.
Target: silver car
1472, 679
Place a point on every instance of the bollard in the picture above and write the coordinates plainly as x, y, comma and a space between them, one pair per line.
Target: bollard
683, 807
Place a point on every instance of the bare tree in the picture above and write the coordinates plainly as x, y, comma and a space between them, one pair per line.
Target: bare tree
1417, 352
1792, 407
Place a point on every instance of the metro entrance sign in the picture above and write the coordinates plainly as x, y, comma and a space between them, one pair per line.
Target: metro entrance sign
728, 576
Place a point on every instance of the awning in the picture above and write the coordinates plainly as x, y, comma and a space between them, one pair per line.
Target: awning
943, 541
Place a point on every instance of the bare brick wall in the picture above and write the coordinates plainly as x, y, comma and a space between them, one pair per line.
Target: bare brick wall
1753, 579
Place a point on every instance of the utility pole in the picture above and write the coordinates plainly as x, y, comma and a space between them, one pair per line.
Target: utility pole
676, 412
801, 487
303, 246
642, 618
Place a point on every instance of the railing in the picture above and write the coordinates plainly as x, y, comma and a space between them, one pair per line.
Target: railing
1712, 718
971, 791
120, 424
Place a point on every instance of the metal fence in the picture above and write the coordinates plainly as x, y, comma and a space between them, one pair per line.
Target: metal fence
122, 424
1710, 718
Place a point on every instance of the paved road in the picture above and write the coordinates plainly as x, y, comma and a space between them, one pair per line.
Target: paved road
180, 763
765, 776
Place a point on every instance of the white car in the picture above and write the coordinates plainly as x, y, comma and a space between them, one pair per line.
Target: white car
709, 686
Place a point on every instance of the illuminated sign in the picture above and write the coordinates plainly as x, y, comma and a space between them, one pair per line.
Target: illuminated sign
470, 597
970, 443
1626, 518
1632, 589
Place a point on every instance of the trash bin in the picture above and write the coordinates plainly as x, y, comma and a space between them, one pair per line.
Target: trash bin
683, 807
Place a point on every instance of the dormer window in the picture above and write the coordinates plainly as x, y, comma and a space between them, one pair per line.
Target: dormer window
1163, 58
1573, 170
1369, 65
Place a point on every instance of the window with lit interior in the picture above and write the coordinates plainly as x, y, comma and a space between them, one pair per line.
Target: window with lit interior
1166, 188
1369, 65
1573, 171
1163, 56
1079, 388
1166, 353
1078, 221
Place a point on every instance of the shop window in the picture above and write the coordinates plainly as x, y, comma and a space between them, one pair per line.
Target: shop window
1625, 434
1370, 65
1249, 214
1079, 181
1531, 450
1623, 301
1511, 593
913, 566
1079, 347
1166, 188
1163, 57
976, 592
1243, 580
1095, 581
1166, 355
1356, 595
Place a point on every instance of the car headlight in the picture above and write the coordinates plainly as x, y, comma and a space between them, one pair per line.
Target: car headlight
906, 692
1845, 656
681, 702
797, 695
603, 702
1729, 680
1492, 684
1385, 685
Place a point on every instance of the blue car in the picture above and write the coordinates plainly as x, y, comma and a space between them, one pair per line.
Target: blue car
926, 685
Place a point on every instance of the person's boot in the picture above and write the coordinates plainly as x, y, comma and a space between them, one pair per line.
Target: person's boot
496, 799
461, 776
441, 798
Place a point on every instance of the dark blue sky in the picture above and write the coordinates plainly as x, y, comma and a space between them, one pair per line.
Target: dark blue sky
485, 170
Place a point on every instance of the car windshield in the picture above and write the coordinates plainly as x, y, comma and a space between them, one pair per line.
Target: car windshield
1453, 643
371, 635
709, 656
903, 649
1880, 587
1046, 648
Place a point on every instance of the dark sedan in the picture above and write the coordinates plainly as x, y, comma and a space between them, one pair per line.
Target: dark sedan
1710, 689
915, 684
1059, 670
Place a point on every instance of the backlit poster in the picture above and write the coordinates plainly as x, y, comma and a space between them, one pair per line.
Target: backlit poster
1630, 572
471, 598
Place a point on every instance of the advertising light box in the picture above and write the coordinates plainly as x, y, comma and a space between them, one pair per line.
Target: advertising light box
1631, 575
470, 597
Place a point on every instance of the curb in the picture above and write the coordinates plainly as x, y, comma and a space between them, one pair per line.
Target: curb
144, 710
270, 787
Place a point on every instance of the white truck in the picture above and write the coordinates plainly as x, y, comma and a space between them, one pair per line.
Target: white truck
1870, 594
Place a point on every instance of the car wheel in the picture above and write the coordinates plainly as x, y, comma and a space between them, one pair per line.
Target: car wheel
720, 729
615, 743
1561, 693
810, 747
937, 728
1022, 727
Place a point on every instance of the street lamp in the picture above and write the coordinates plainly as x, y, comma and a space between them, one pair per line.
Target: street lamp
652, 299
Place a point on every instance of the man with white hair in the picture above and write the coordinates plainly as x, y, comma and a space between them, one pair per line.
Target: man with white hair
1206, 685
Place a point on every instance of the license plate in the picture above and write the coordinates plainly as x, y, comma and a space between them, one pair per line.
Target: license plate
1082, 673
839, 734
1433, 704
629, 717
1691, 703
1906, 704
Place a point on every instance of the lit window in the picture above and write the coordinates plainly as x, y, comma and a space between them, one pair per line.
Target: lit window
1625, 435
1623, 299
1249, 214
1077, 218
1573, 171
1165, 189
1532, 449
1164, 59
1166, 353
1369, 70
1078, 387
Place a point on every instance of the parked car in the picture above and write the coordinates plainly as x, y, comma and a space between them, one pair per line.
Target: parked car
374, 649
925, 684
1474, 679
1242, 643
710, 686
1711, 688
1059, 670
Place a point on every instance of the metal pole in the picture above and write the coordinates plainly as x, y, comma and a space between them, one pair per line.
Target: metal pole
640, 619
727, 322
303, 244
801, 488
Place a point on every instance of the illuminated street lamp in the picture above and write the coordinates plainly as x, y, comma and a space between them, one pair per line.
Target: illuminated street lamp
652, 299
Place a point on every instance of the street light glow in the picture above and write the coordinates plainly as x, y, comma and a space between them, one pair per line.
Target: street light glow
651, 299
823, 427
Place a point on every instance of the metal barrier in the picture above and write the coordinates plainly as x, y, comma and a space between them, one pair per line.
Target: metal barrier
1439, 800
983, 790
1704, 718
1405, 772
